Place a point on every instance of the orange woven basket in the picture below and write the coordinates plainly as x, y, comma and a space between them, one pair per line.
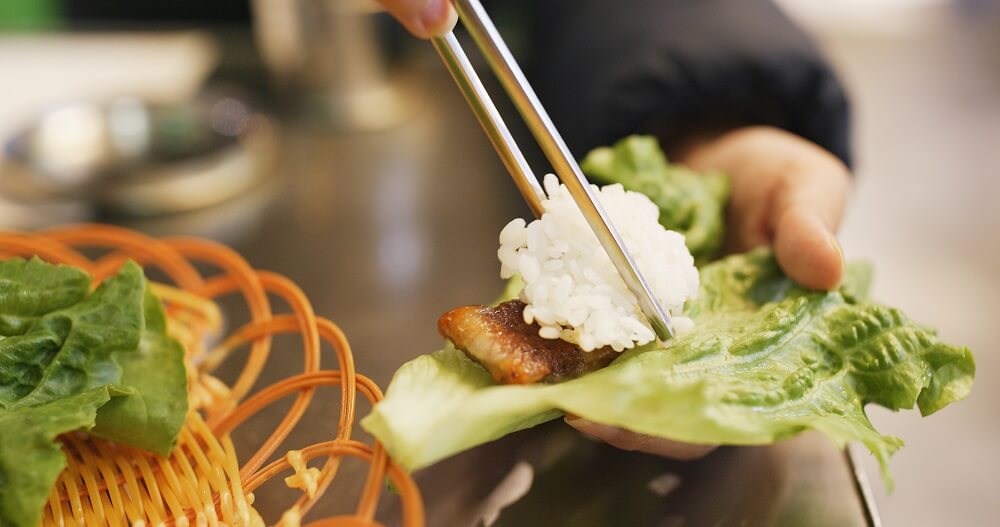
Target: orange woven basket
202, 482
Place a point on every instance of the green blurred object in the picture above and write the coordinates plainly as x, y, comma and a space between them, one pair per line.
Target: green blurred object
23, 15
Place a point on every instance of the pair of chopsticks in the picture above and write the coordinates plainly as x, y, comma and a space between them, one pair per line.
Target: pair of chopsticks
493, 48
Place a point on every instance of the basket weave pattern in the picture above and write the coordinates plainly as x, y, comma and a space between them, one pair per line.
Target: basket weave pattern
201, 482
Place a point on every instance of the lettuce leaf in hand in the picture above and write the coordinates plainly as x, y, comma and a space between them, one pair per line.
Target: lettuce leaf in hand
690, 203
71, 360
765, 360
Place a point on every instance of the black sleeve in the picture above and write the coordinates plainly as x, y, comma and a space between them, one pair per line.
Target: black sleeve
608, 68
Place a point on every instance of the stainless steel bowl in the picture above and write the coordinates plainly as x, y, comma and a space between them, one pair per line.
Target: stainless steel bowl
139, 158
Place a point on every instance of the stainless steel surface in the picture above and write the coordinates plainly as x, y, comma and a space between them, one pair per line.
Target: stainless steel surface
863, 485
385, 231
492, 45
486, 112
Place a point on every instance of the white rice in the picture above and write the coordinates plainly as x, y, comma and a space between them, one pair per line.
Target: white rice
572, 289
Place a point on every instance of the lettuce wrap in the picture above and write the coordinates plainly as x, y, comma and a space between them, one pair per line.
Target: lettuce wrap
766, 359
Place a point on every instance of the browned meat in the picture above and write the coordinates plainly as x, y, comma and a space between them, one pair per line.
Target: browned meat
511, 350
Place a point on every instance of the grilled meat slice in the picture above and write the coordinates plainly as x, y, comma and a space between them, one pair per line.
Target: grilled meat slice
511, 350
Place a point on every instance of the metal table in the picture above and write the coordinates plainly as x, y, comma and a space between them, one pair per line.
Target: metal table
387, 230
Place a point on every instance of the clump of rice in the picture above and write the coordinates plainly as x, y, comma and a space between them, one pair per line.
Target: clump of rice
573, 291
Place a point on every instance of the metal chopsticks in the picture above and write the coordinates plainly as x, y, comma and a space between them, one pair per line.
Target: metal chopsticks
489, 117
493, 48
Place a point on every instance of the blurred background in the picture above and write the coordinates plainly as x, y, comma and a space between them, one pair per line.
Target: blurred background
924, 78
324, 143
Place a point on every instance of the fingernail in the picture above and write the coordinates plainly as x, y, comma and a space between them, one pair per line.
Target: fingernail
831, 239
438, 17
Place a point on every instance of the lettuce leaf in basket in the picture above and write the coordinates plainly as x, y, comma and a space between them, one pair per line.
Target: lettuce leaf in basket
151, 414
71, 359
31, 459
765, 360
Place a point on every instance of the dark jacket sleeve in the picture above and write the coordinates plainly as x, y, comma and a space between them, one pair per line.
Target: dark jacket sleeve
608, 68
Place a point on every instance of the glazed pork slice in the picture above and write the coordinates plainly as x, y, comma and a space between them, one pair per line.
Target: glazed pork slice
511, 350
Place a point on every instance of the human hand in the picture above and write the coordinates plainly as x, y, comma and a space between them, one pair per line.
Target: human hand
423, 18
787, 193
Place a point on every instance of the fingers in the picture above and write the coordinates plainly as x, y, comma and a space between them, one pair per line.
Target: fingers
806, 248
786, 192
423, 18
627, 440
807, 208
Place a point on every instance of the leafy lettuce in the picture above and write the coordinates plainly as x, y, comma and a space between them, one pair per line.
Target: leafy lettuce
71, 359
31, 459
150, 415
765, 360
690, 203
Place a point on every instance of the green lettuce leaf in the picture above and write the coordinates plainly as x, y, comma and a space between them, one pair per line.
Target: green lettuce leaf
69, 351
31, 288
690, 203
30, 458
150, 416
765, 360
70, 360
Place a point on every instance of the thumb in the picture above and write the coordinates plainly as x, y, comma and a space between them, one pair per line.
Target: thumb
808, 205
423, 18
806, 248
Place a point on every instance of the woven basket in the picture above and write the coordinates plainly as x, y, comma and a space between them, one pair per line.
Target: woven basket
202, 482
